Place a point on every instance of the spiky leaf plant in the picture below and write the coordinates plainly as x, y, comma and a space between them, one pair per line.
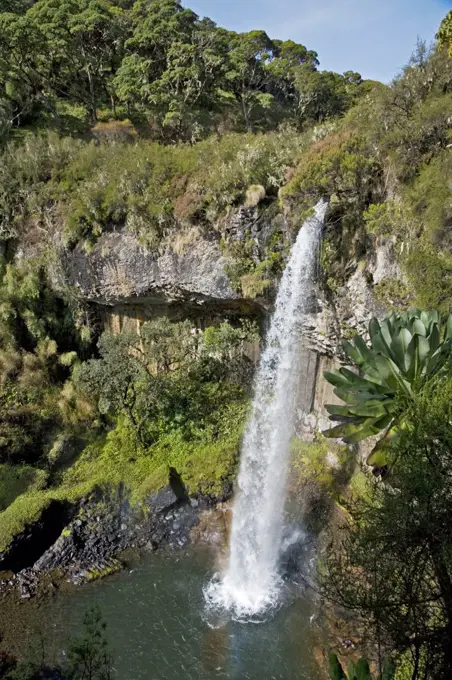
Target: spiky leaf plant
405, 352
359, 670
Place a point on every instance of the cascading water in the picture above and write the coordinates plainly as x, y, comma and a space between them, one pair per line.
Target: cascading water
251, 582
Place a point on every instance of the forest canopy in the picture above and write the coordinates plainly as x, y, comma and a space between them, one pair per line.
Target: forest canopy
69, 63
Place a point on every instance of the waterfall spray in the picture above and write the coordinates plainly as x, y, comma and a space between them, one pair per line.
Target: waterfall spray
251, 582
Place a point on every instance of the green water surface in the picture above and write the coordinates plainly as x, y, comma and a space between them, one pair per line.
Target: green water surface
159, 628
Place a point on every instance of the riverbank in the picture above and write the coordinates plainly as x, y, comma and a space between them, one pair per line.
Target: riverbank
100, 533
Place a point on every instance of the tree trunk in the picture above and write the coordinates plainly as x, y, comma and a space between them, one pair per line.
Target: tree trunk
93, 112
246, 116
445, 584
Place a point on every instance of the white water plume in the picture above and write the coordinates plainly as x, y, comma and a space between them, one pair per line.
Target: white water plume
251, 582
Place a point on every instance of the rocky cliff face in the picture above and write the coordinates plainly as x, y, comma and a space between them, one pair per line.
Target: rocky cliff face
120, 270
189, 269
188, 278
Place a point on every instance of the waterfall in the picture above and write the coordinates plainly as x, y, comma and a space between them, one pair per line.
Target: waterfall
251, 582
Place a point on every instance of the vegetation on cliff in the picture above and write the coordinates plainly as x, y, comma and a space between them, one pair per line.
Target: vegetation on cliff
142, 117
391, 561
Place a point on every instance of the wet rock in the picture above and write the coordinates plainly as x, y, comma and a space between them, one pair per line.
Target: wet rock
33, 542
173, 529
163, 501
213, 526
103, 528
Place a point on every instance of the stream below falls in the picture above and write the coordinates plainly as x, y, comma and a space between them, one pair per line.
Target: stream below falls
160, 629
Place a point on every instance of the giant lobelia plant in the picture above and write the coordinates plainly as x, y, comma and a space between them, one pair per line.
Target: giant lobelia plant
405, 352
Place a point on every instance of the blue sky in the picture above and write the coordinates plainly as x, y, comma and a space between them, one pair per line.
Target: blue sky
374, 37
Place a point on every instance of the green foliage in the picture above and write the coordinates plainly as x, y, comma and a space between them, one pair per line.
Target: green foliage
406, 352
444, 34
170, 376
175, 398
23, 511
320, 462
89, 656
341, 165
86, 189
385, 168
392, 565
66, 64
359, 670
17, 480
395, 294
335, 669
387, 219
206, 461
429, 273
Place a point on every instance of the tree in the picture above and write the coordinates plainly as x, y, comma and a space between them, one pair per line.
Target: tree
171, 66
21, 41
289, 58
444, 35
83, 49
247, 74
392, 563
89, 655
407, 351
168, 377
320, 94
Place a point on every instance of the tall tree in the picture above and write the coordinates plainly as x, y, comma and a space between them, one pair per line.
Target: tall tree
84, 43
247, 75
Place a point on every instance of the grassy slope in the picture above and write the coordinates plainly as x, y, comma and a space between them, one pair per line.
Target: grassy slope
205, 466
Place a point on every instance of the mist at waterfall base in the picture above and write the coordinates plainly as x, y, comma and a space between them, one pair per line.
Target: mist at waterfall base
252, 582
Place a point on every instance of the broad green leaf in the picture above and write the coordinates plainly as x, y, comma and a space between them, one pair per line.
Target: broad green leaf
374, 327
368, 429
338, 410
399, 347
386, 332
448, 333
355, 396
377, 458
418, 328
434, 337
381, 346
336, 379
438, 358
425, 318
384, 422
374, 410
418, 350
393, 376
364, 350
353, 353
348, 431
357, 381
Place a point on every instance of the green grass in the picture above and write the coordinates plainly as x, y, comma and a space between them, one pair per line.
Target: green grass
204, 465
360, 486
321, 461
16, 480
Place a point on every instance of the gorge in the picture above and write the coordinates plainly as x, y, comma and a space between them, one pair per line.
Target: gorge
222, 403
